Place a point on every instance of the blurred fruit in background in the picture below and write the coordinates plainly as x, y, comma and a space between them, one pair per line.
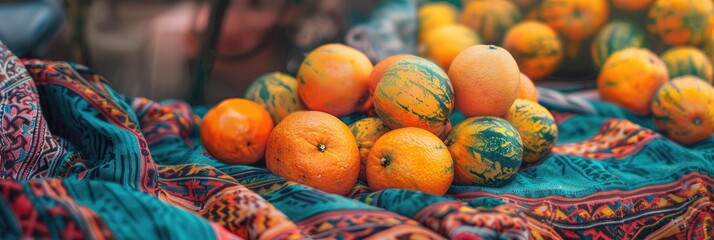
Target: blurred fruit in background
434, 15
536, 48
490, 18
681, 22
574, 20
684, 60
631, 5
442, 44
615, 36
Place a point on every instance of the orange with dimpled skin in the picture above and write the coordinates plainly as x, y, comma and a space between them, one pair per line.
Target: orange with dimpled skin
316, 149
486, 80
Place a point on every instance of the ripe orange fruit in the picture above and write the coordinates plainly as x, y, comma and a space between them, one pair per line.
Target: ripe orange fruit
485, 79
681, 22
535, 47
414, 92
537, 129
277, 92
631, 5
434, 15
630, 77
527, 90
683, 110
682, 61
486, 151
334, 78
379, 71
575, 20
236, 131
490, 18
441, 45
366, 132
316, 149
410, 158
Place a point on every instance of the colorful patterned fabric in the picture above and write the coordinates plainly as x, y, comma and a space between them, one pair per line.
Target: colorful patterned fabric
80, 160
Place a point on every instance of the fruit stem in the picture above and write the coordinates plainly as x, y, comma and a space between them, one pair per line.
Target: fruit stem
491, 46
697, 121
385, 162
321, 147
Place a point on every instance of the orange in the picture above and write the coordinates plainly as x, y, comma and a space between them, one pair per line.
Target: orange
630, 78
379, 70
485, 79
316, 149
683, 110
537, 129
575, 20
434, 15
487, 151
277, 92
527, 90
410, 158
366, 132
441, 45
536, 48
414, 92
490, 18
681, 22
334, 78
236, 131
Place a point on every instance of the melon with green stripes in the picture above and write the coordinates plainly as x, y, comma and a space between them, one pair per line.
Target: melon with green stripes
490, 19
277, 92
682, 61
537, 129
414, 92
615, 36
487, 151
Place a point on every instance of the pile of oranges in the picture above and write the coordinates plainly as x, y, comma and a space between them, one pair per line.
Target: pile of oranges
406, 139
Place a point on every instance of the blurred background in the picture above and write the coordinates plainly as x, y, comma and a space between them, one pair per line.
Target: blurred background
149, 48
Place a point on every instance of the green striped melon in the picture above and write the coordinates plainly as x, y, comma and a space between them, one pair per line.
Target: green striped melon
414, 92
491, 19
615, 36
682, 61
277, 92
537, 128
487, 151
